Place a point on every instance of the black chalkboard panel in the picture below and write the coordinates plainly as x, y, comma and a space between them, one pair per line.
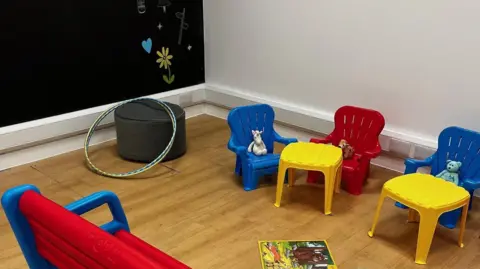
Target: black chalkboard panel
59, 56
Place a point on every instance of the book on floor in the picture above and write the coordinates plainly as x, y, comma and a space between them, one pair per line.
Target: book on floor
295, 254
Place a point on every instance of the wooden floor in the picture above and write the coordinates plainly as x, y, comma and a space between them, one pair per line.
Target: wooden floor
196, 210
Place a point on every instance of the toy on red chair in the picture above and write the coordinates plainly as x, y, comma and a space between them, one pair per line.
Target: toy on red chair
356, 131
56, 237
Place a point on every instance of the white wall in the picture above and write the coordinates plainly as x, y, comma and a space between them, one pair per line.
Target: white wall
418, 62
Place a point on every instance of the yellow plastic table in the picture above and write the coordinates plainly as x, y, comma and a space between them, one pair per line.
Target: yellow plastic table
429, 197
311, 156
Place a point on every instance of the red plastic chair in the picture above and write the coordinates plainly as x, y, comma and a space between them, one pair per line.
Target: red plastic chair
360, 127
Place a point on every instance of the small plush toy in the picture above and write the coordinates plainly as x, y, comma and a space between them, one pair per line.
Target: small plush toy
347, 150
451, 173
257, 146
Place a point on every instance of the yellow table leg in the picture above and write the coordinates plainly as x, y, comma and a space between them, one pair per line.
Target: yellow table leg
428, 224
412, 215
291, 177
377, 213
338, 180
330, 177
462, 224
280, 182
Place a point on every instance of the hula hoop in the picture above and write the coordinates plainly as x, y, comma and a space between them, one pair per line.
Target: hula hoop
146, 167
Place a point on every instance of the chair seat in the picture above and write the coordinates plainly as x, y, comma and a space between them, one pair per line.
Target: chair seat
350, 165
470, 184
264, 161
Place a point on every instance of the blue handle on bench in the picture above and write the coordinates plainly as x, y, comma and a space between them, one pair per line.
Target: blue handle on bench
98, 199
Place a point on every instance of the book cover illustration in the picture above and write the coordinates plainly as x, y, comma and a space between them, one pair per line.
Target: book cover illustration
286, 254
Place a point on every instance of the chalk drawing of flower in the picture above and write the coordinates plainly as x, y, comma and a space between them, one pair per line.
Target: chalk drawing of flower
164, 61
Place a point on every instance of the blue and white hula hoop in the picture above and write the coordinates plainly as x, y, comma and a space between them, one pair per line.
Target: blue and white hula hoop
146, 167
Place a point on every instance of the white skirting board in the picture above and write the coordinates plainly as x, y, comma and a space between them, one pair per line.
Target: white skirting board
67, 144
38, 131
388, 162
18, 139
34, 133
400, 143
35, 140
71, 143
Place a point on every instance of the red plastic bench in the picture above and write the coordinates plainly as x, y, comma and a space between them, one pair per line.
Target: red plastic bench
52, 236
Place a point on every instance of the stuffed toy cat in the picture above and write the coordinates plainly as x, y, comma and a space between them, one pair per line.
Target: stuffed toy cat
257, 146
451, 173
347, 150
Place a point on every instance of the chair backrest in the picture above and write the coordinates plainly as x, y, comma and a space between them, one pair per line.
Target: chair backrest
458, 144
242, 120
360, 127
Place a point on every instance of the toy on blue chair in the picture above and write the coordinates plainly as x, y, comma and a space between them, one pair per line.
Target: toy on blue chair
459, 145
243, 122
450, 174
257, 146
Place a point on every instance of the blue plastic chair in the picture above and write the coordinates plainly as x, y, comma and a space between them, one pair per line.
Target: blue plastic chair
242, 120
457, 144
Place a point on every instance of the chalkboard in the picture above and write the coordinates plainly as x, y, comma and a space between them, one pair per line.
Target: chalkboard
59, 56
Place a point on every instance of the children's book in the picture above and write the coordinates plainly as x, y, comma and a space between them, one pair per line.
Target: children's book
289, 254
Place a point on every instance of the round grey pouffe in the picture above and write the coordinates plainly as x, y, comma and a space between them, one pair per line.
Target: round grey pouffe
144, 130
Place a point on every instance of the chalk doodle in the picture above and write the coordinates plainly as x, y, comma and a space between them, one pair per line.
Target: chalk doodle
141, 6
147, 45
183, 25
164, 61
164, 4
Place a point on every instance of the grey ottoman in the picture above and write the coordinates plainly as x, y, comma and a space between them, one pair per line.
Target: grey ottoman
144, 130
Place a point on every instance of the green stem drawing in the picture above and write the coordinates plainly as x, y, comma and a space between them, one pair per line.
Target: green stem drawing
170, 77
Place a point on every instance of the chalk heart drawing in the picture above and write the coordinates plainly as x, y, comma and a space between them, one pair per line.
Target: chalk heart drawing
147, 45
